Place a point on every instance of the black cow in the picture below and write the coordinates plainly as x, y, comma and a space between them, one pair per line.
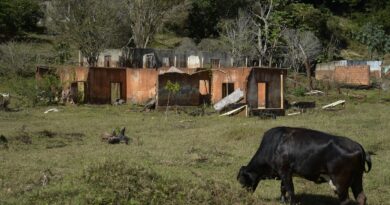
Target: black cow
313, 155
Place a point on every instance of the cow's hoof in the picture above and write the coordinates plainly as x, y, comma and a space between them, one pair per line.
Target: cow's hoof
283, 200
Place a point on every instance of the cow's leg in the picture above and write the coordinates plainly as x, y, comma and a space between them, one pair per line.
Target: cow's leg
342, 183
289, 187
283, 192
357, 189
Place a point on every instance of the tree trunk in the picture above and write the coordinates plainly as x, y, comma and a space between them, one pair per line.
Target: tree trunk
166, 109
308, 73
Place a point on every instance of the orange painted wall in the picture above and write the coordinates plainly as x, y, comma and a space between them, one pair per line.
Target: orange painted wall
352, 75
141, 85
238, 76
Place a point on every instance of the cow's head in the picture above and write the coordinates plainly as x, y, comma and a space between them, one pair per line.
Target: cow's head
248, 179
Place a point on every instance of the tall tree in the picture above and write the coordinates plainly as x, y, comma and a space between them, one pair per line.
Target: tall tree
303, 49
146, 17
238, 36
205, 15
89, 24
267, 29
375, 38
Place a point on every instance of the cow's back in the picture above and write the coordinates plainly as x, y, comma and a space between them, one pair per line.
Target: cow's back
310, 153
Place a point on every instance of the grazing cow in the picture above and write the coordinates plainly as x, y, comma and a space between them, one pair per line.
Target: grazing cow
313, 155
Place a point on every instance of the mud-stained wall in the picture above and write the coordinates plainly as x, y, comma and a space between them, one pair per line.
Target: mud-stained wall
352, 75
188, 94
141, 85
238, 76
99, 84
272, 78
69, 75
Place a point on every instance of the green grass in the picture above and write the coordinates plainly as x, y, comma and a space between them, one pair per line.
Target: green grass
180, 160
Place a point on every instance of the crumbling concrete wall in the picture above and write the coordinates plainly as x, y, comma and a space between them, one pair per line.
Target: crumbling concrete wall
238, 76
188, 95
352, 75
141, 85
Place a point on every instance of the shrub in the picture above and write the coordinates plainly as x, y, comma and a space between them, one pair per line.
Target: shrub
299, 92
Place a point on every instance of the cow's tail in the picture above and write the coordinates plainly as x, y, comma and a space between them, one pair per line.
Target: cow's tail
367, 159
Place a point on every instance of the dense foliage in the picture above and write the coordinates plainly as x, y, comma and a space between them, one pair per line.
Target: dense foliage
18, 17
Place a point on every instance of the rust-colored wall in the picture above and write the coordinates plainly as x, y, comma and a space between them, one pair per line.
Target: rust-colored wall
238, 76
272, 78
352, 75
141, 85
99, 83
189, 90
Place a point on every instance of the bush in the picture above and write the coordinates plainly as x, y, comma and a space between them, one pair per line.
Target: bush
299, 91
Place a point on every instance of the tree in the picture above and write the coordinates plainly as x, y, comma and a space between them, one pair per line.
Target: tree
146, 17
375, 38
18, 17
172, 89
303, 49
267, 29
238, 36
89, 24
205, 15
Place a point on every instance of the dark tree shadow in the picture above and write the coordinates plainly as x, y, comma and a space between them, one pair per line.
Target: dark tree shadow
310, 199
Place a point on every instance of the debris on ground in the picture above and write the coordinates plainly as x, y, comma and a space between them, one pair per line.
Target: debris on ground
3, 142
234, 97
150, 105
303, 104
115, 138
244, 107
119, 102
4, 101
51, 110
294, 113
332, 105
315, 92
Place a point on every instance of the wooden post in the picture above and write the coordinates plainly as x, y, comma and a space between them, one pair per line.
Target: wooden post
175, 62
281, 91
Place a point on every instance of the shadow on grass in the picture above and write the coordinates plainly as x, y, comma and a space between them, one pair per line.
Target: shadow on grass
310, 199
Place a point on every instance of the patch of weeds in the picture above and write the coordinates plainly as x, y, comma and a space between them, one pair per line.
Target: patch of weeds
113, 182
299, 92
55, 144
47, 133
74, 136
213, 156
24, 137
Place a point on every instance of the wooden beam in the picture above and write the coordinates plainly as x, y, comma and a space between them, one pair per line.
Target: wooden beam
234, 111
281, 91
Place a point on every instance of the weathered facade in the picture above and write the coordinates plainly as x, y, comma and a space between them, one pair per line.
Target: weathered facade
225, 81
265, 88
194, 87
106, 85
328, 71
157, 58
352, 75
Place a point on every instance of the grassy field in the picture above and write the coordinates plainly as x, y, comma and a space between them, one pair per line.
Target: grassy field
58, 158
